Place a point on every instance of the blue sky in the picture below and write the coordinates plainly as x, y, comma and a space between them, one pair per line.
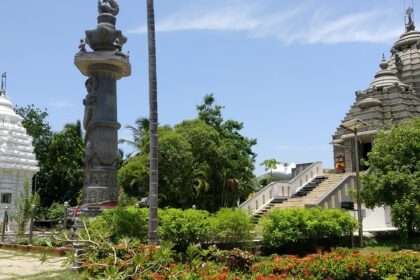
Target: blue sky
287, 69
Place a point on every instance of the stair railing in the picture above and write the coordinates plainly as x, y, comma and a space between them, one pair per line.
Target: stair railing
263, 197
281, 189
340, 192
298, 182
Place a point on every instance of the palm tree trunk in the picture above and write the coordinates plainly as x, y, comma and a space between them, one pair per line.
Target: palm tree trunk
153, 183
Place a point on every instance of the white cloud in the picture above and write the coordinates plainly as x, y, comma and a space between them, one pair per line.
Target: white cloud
305, 24
61, 103
226, 19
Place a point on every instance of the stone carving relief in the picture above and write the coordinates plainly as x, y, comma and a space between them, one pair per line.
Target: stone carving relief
89, 102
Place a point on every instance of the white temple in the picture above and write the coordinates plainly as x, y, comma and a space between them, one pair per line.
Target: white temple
17, 159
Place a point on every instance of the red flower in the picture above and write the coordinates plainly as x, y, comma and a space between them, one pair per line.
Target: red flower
259, 277
277, 259
158, 276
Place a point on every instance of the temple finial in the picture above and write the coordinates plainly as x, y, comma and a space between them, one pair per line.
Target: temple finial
409, 25
384, 64
3, 82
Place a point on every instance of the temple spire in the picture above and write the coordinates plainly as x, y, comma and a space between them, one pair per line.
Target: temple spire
409, 24
3, 84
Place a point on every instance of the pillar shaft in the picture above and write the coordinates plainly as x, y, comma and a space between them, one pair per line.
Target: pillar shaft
103, 66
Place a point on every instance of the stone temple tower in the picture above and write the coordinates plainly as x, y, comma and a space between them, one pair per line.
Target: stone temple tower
392, 97
103, 66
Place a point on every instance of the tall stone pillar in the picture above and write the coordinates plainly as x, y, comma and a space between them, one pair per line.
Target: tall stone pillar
103, 66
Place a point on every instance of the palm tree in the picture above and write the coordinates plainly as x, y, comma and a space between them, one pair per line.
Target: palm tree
140, 129
270, 164
153, 182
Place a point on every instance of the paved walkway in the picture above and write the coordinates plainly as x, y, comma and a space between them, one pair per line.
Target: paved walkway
16, 264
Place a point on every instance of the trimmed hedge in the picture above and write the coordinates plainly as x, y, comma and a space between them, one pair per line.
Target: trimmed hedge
181, 227
282, 227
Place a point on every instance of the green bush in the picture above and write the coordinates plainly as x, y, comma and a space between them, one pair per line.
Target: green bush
297, 225
330, 223
403, 265
55, 211
184, 227
232, 225
120, 222
181, 227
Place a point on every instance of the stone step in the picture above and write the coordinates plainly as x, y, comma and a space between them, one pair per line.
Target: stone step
313, 196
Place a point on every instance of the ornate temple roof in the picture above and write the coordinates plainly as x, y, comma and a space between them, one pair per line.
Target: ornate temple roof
386, 77
16, 150
394, 93
407, 40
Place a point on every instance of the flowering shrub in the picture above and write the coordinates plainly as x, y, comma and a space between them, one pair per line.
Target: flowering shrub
341, 264
237, 259
132, 260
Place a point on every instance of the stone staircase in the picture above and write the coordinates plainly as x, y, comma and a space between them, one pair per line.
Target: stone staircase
272, 204
312, 197
310, 186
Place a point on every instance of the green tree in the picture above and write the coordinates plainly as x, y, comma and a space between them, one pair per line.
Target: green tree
60, 157
36, 125
76, 128
394, 174
270, 164
133, 177
23, 204
233, 175
61, 176
35, 122
140, 129
209, 166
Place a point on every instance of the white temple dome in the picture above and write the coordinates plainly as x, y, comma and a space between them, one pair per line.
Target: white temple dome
16, 150
283, 171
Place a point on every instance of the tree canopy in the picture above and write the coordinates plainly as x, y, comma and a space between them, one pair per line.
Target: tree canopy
204, 162
394, 174
60, 157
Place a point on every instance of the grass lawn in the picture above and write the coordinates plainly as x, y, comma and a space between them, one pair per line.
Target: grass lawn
389, 244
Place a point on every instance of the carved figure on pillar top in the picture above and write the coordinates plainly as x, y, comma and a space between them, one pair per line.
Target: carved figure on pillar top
108, 7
